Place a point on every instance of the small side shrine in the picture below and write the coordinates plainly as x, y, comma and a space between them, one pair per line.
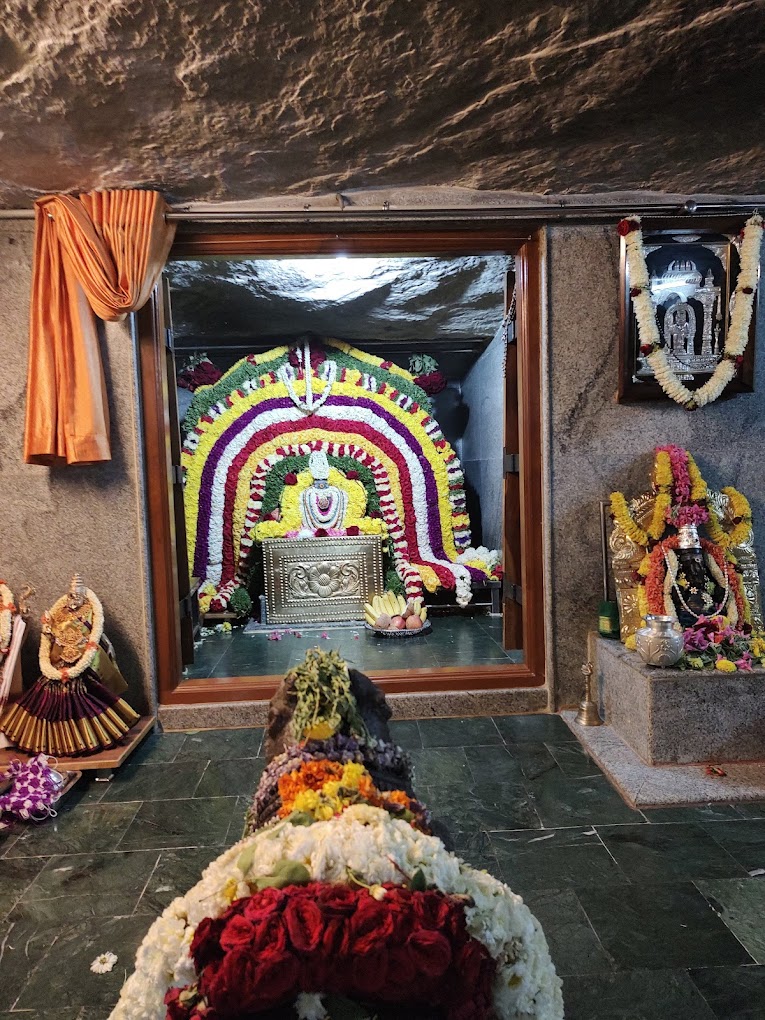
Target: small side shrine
327, 458
687, 685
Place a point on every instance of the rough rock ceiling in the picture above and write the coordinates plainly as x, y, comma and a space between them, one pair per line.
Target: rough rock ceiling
232, 100
224, 301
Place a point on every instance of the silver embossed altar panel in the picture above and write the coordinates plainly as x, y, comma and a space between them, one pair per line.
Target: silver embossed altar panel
321, 579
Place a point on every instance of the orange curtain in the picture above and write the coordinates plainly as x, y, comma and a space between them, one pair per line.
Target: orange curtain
100, 253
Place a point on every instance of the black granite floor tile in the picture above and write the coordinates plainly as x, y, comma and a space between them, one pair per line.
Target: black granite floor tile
15, 878
733, 993
572, 760
660, 927
744, 840
163, 781
493, 763
440, 765
10, 831
101, 877
176, 872
406, 733
641, 995
534, 759
77, 829
24, 944
475, 848
458, 732
176, 823
215, 745
157, 747
65, 978
533, 729
667, 853
555, 859
574, 946
64, 911
751, 809
232, 777
740, 902
560, 801
488, 806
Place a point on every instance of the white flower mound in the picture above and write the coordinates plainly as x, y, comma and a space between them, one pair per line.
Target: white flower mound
369, 841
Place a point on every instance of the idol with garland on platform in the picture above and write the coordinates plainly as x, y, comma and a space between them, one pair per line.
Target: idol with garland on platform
76, 707
685, 552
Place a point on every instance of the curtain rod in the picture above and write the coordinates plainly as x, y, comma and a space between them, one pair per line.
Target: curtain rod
542, 212
521, 213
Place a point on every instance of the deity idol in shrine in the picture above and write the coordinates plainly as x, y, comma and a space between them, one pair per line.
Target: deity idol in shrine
322, 505
76, 706
684, 551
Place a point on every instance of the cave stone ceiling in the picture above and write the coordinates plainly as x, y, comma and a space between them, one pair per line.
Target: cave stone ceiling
385, 301
232, 100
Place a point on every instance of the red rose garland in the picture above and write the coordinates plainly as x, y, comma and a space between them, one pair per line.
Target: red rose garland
407, 947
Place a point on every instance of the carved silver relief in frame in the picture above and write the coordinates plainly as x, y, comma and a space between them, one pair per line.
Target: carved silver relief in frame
693, 276
321, 579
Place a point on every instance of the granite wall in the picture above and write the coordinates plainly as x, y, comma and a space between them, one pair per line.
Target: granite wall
56, 521
597, 445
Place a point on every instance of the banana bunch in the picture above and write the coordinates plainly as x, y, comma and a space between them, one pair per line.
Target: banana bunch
393, 612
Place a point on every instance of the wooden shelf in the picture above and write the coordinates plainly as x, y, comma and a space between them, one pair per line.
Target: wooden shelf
102, 761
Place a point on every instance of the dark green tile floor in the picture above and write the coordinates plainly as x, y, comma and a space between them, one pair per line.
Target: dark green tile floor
454, 641
649, 916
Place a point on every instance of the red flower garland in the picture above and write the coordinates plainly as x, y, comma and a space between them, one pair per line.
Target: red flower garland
654, 582
410, 947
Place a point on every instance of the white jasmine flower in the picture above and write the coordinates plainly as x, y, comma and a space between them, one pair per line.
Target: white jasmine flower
308, 1006
103, 963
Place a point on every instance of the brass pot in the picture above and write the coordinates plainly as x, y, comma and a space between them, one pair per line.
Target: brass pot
660, 642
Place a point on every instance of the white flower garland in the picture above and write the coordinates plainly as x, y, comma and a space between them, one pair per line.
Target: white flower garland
375, 846
7, 612
740, 317
47, 668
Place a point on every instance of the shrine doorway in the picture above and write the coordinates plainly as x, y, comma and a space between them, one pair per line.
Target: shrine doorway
495, 641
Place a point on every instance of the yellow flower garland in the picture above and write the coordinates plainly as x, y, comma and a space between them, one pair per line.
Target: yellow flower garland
369, 359
428, 576
662, 472
739, 533
629, 525
698, 485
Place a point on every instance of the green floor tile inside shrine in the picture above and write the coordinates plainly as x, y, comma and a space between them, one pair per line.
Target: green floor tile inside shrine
453, 641
649, 916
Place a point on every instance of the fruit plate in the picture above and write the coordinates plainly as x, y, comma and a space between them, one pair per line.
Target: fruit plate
424, 629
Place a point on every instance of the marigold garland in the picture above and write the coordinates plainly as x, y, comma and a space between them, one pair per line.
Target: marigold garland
741, 513
619, 508
323, 789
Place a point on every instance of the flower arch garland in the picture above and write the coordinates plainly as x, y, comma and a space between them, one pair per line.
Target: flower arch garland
245, 430
395, 525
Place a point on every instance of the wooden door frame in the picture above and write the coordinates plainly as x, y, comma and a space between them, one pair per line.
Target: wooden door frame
522, 241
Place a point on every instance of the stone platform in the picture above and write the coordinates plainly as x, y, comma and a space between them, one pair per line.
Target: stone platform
670, 716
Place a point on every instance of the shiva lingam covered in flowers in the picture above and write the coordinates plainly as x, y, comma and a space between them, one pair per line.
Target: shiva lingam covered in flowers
338, 900
686, 553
